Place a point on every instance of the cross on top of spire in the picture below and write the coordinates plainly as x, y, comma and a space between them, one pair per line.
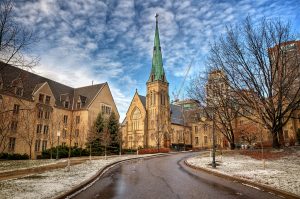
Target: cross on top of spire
156, 16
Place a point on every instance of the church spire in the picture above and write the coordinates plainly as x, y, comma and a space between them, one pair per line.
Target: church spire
157, 71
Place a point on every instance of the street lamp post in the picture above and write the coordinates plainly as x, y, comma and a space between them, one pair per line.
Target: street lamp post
58, 134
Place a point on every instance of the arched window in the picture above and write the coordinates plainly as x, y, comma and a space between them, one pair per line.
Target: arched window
136, 116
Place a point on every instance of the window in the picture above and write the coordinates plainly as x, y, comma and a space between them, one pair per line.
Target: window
205, 127
78, 105
37, 145
196, 140
41, 98
48, 99
205, 139
12, 144
105, 109
46, 129
44, 145
40, 114
39, 128
19, 91
76, 144
47, 115
64, 134
65, 119
66, 104
77, 119
13, 126
16, 109
77, 133
196, 129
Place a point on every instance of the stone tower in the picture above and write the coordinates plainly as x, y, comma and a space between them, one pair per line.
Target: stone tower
157, 99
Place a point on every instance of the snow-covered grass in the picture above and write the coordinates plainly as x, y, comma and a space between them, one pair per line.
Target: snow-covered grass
281, 173
9, 165
53, 183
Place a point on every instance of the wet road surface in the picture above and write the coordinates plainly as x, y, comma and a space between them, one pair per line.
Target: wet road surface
166, 177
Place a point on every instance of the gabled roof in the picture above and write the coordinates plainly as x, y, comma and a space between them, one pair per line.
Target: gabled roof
32, 82
176, 114
143, 100
86, 94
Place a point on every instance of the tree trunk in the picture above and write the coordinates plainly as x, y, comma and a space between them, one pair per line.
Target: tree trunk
51, 153
275, 143
30, 153
232, 145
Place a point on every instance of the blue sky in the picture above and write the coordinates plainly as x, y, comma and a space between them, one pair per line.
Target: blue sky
90, 40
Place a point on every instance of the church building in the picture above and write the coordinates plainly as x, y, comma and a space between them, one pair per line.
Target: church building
151, 121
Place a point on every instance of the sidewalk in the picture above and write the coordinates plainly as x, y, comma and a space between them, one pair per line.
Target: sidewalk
55, 164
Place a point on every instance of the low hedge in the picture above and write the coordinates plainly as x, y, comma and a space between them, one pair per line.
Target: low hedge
13, 156
154, 150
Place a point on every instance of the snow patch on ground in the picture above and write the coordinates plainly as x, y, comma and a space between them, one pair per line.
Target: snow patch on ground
10, 165
281, 174
53, 183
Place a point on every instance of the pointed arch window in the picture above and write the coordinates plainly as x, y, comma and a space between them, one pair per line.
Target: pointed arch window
136, 116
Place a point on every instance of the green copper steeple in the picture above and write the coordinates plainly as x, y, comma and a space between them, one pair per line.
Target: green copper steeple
157, 71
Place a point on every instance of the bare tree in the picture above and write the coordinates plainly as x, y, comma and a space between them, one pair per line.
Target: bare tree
29, 129
248, 131
105, 139
14, 39
158, 135
260, 59
216, 101
5, 124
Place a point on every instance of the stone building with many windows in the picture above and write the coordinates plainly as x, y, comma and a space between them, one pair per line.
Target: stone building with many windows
37, 113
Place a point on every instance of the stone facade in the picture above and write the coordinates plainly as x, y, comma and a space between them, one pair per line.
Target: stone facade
35, 110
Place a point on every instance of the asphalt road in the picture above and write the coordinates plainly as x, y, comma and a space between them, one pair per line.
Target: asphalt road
166, 177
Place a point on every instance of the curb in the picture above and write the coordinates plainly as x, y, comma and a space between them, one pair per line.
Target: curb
73, 192
248, 182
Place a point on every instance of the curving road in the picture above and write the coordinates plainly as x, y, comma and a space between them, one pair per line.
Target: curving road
166, 177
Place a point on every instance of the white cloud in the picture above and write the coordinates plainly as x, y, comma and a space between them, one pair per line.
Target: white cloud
85, 40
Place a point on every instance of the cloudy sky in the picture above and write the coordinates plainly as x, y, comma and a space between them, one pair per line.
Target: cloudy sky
112, 40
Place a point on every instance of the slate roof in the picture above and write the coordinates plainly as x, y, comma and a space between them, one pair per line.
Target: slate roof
143, 100
31, 82
176, 112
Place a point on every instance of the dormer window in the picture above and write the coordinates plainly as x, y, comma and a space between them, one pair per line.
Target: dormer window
41, 98
19, 91
152, 78
47, 99
78, 105
66, 105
